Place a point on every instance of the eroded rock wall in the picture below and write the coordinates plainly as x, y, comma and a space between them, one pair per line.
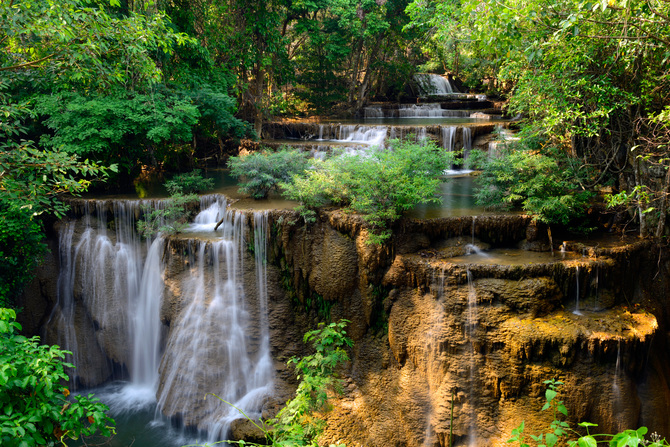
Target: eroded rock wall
438, 341
432, 347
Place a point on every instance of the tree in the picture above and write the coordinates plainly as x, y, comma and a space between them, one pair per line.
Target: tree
600, 71
35, 407
49, 45
381, 184
263, 172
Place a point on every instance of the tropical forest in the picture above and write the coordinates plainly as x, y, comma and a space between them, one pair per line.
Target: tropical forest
335, 223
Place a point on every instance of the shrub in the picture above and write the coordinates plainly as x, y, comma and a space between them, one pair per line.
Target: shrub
264, 171
21, 249
188, 183
174, 215
380, 185
541, 184
560, 430
35, 409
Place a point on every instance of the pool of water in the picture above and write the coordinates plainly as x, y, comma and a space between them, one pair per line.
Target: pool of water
134, 410
419, 121
457, 193
502, 256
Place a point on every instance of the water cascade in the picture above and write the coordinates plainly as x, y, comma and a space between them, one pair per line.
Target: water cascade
111, 303
371, 136
448, 137
373, 112
432, 84
429, 110
112, 273
577, 311
470, 328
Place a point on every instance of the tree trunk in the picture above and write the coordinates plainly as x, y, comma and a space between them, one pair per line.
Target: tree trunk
258, 102
660, 229
638, 183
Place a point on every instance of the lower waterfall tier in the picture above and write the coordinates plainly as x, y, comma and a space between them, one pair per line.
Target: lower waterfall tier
454, 321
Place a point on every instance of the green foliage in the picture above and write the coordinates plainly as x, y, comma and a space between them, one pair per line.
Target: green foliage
38, 178
130, 128
172, 215
541, 184
21, 249
263, 172
380, 185
189, 183
85, 44
560, 430
35, 410
298, 423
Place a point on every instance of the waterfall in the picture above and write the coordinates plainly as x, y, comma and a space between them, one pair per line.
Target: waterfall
470, 329
373, 112
215, 346
429, 110
467, 140
432, 84
111, 294
577, 311
107, 272
421, 136
448, 137
372, 136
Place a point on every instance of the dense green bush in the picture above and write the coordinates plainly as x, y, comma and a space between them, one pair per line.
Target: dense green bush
34, 407
173, 215
21, 249
380, 184
262, 172
541, 184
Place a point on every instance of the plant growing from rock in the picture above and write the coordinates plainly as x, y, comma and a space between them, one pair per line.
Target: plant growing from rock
262, 172
173, 214
540, 182
299, 423
34, 408
561, 430
380, 185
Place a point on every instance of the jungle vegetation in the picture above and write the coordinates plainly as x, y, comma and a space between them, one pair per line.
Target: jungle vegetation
106, 90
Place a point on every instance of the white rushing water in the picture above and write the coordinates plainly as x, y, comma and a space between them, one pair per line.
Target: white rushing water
218, 339
432, 84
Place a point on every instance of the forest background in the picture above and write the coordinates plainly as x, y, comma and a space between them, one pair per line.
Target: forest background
112, 90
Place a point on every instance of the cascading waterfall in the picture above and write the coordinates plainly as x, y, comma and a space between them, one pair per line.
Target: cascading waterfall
434, 362
432, 84
470, 329
448, 137
577, 311
112, 283
429, 110
108, 273
373, 112
371, 136
215, 347
467, 140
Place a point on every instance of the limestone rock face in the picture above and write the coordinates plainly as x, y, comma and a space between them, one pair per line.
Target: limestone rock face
448, 351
